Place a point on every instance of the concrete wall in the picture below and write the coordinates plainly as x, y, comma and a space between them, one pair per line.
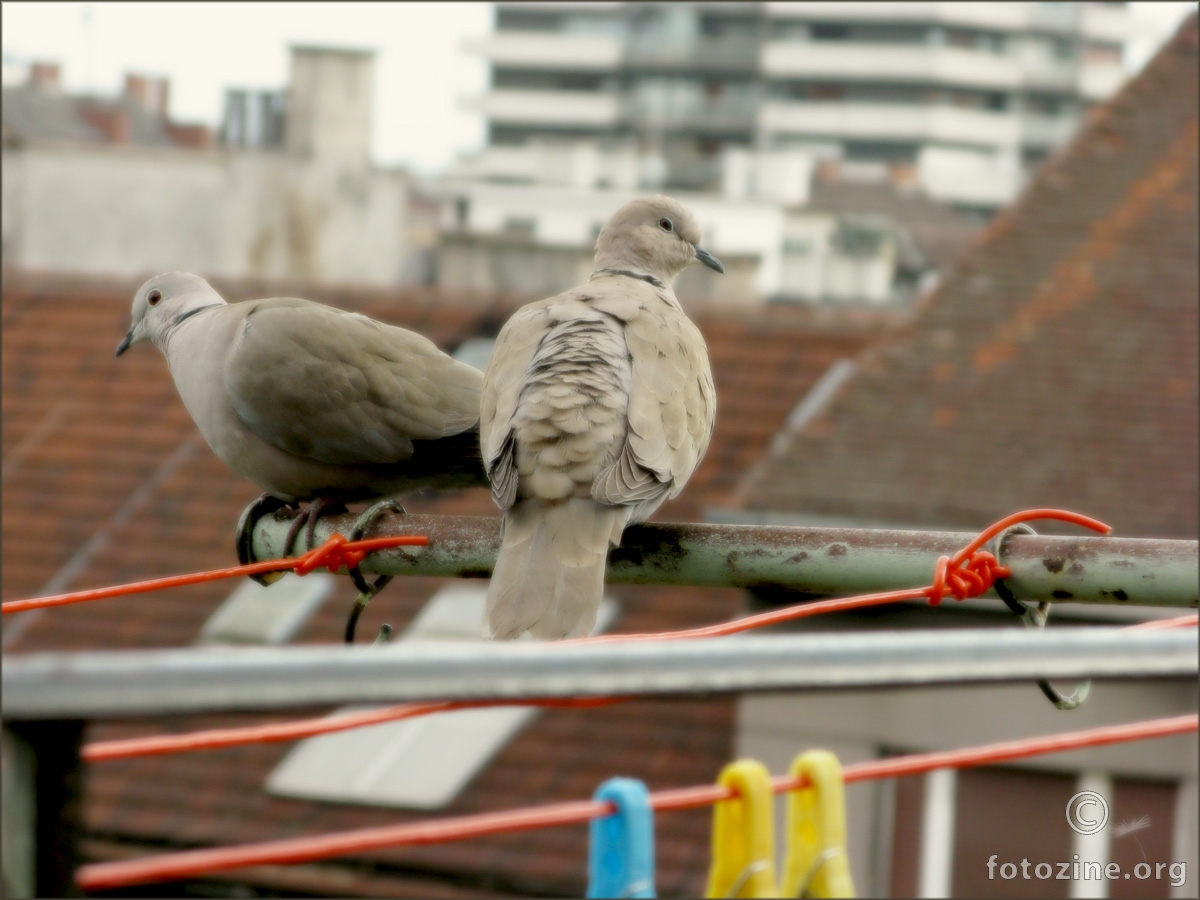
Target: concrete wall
518, 265
132, 210
815, 269
555, 216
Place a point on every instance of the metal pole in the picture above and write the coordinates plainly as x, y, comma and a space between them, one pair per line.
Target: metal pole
42, 806
96, 684
1122, 571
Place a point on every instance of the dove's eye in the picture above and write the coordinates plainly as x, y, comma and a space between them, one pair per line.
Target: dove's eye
153, 297
666, 224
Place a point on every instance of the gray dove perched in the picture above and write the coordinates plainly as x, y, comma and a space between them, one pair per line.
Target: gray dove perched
597, 406
311, 402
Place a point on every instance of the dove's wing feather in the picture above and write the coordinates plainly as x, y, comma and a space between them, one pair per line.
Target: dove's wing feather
672, 403
505, 376
339, 388
507, 373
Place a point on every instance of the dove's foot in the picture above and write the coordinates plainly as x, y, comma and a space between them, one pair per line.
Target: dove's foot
368, 590
308, 521
263, 506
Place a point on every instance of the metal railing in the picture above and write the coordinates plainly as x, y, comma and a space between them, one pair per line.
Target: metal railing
156, 682
49, 696
1107, 570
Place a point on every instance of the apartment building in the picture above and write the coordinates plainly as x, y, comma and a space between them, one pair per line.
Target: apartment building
962, 99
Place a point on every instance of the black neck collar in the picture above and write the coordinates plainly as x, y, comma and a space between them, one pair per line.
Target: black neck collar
192, 312
649, 279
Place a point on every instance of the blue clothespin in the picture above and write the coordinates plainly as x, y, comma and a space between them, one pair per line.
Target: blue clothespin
621, 856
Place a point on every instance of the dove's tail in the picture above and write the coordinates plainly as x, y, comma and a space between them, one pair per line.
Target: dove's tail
549, 576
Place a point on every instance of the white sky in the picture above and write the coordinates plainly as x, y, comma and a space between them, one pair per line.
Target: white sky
423, 73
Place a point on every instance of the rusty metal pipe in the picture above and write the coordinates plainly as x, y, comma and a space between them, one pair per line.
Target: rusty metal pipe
1105, 570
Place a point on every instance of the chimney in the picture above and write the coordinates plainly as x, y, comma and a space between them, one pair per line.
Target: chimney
150, 94
195, 136
829, 171
44, 76
329, 103
903, 176
111, 121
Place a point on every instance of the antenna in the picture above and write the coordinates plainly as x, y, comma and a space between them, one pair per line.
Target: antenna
88, 72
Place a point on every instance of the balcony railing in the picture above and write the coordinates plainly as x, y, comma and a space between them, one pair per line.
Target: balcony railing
900, 122
857, 61
734, 53
550, 107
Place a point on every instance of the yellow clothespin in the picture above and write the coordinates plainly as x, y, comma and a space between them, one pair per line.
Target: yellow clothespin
816, 863
743, 848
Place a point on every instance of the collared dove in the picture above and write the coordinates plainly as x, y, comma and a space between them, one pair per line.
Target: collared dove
311, 402
597, 406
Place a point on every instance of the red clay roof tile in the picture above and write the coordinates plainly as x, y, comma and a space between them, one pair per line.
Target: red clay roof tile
101, 450
1057, 366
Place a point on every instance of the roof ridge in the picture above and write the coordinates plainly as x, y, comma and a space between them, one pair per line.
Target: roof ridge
1100, 117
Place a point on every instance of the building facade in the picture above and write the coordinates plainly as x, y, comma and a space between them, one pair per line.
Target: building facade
963, 98
285, 191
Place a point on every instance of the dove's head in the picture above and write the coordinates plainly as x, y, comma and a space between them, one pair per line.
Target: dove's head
162, 302
654, 235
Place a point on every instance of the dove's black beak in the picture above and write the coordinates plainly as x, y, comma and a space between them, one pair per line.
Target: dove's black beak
124, 345
709, 260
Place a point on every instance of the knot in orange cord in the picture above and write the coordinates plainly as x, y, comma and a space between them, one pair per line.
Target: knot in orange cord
966, 578
971, 571
333, 554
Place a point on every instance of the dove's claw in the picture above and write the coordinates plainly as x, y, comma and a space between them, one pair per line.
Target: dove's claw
367, 590
244, 541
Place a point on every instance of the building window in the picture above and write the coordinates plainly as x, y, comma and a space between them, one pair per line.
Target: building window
860, 33
1102, 54
1009, 814
527, 20
783, 30
718, 26
517, 135
829, 31
504, 78
593, 26
825, 91
421, 763
972, 39
880, 151
889, 33
523, 226
1063, 49
1044, 105
1032, 158
254, 614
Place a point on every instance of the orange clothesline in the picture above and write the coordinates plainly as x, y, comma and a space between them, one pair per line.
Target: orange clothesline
107, 876
333, 555
216, 738
968, 573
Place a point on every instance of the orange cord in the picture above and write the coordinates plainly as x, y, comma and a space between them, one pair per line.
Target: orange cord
969, 572
212, 739
333, 554
107, 876
216, 738
976, 578
1155, 624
